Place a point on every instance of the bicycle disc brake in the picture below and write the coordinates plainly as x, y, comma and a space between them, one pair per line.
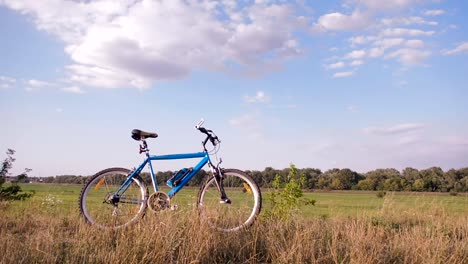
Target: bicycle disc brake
159, 201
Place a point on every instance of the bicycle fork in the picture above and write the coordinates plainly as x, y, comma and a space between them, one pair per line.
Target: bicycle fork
218, 176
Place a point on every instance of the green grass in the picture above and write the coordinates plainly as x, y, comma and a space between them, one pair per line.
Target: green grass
355, 203
328, 204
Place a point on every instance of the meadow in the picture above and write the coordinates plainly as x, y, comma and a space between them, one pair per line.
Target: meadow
342, 227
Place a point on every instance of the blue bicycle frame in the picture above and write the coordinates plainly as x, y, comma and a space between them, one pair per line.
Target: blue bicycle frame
205, 159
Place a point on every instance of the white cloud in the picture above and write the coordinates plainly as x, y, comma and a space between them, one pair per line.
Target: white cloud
376, 52
357, 62
387, 4
343, 74
133, 44
4, 86
7, 79
356, 54
396, 129
414, 43
434, 12
337, 65
260, 97
341, 22
389, 42
73, 89
399, 32
39, 84
409, 56
386, 43
462, 48
358, 40
413, 20
6, 82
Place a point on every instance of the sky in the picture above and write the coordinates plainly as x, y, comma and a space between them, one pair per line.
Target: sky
359, 84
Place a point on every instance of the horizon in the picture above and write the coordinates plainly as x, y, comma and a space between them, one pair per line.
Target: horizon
358, 84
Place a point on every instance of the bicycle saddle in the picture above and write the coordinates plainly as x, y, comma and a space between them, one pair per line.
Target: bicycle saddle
140, 135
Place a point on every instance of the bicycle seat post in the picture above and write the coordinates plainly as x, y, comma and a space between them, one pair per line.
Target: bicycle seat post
144, 148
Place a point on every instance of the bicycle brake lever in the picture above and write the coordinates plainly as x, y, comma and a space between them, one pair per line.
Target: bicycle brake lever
200, 123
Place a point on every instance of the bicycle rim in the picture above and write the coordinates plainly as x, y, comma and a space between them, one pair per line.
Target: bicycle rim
98, 211
241, 212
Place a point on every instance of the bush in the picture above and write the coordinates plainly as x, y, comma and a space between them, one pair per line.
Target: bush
381, 194
12, 192
287, 196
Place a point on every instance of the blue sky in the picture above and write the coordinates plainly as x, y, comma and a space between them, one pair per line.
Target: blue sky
359, 84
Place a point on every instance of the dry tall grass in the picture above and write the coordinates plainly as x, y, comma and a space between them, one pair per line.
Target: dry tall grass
35, 235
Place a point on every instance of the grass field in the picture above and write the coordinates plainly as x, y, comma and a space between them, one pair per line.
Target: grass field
329, 204
343, 227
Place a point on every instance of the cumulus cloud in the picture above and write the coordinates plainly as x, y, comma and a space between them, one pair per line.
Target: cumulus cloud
387, 4
398, 32
413, 20
386, 43
356, 54
336, 65
434, 12
39, 84
376, 52
462, 48
409, 56
357, 62
341, 22
133, 43
358, 40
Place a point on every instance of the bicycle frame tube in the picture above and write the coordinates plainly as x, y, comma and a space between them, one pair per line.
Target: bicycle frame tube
173, 191
205, 159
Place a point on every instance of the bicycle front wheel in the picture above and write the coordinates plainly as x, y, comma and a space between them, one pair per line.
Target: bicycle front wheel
245, 201
101, 207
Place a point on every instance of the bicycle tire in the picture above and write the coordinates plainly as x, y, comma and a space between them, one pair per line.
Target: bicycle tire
245, 197
95, 208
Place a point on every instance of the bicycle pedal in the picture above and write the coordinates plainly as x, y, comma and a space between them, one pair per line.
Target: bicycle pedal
225, 201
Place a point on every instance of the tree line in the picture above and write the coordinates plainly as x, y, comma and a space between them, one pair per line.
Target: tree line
433, 179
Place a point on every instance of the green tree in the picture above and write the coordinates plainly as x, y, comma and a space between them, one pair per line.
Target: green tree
419, 185
311, 177
12, 192
343, 179
376, 178
434, 179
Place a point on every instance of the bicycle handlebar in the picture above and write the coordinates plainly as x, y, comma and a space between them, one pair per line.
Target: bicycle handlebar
209, 134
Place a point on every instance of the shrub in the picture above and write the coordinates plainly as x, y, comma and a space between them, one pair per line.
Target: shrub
287, 196
381, 194
12, 192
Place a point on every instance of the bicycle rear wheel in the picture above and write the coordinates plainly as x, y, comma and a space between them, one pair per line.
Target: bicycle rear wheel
102, 208
245, 197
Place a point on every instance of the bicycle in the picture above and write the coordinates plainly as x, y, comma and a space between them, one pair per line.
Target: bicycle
228, 199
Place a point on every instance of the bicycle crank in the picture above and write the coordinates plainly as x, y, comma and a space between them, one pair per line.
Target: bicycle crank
159, 201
